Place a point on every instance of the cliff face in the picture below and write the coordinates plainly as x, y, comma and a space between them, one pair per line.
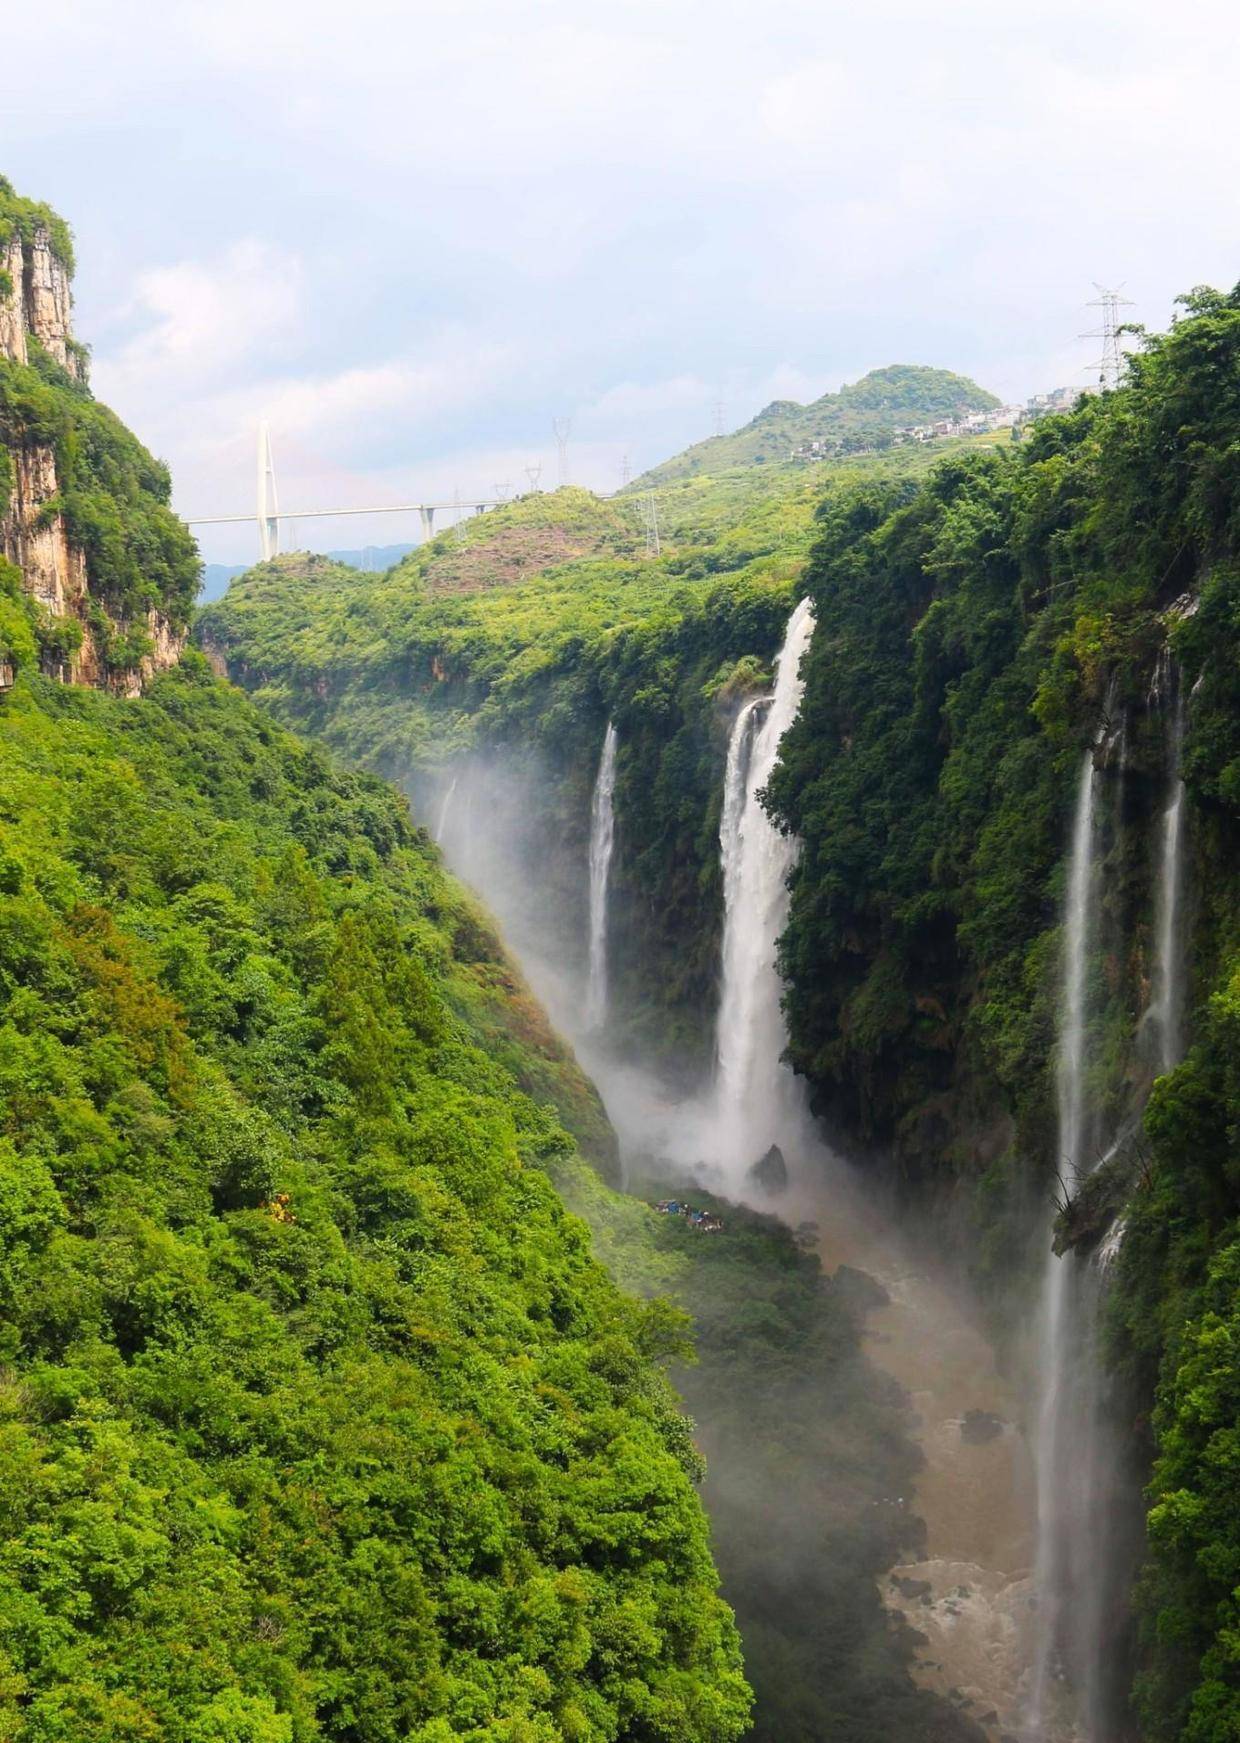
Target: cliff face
96, 611
37, 300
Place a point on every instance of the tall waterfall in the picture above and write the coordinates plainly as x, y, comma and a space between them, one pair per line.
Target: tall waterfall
444, 810
756, 1092
602, 842
1064, 1451
1167, 1004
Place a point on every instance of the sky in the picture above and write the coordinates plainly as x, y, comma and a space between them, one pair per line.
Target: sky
411, 233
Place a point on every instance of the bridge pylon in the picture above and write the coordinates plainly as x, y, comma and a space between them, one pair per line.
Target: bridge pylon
268, 504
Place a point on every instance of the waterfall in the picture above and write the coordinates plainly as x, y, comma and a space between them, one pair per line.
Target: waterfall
444, 808
1063, 1449
755, 1091
1167, 1004
602, 841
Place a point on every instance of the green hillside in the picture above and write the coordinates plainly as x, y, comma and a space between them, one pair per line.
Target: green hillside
861, 415
318, 1420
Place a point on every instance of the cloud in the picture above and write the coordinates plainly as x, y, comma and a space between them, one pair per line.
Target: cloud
411, 229
197, 317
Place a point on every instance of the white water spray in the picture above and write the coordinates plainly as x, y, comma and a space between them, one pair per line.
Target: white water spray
1167, 1004
756, 1093
602, 843
1066, 1410
444, 810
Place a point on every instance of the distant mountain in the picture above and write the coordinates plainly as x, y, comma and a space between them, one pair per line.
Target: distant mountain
860, 416
216, 576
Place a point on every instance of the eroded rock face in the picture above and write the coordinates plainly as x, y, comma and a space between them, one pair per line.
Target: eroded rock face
48, 301
36, 300
39, 301
53, 568
12, 301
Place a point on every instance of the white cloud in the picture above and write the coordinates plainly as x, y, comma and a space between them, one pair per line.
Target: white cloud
198, 318
434, 224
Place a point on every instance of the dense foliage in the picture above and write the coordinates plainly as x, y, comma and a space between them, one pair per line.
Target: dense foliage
113, 494
980, 630
975, 637
24, 218
317, 1419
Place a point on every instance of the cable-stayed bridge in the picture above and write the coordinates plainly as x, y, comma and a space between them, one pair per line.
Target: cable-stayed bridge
266, 515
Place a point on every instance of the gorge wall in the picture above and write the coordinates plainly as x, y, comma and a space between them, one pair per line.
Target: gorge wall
978, 631
99, 575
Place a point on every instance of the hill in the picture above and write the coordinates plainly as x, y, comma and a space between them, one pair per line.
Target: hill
863, 415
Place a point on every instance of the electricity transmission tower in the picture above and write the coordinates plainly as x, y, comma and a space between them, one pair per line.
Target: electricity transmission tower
719, 410
458, 525
650, 520
626, 472
562, 429
1111, 363
534, 473
268, 506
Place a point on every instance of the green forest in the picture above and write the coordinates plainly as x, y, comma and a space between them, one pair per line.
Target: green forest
355, 1387
982, 616
320, 1420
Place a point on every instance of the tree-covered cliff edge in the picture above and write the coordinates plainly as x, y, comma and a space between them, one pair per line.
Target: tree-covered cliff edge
319, 1419
976, 638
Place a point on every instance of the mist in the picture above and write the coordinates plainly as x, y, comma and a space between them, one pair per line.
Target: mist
868, 1471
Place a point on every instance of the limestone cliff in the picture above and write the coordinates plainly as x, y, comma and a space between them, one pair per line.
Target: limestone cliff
36, 299
106, 571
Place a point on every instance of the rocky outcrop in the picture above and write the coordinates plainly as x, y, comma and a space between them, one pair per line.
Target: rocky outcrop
37, 300
34, 536
36, 305
12, 300
49, 304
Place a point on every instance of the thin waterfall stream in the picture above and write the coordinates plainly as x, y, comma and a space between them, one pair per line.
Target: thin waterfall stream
602, 845
1169, 966
1065, 1411
1080, 1479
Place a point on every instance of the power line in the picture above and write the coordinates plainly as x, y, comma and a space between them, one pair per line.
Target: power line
650, 520
1110, 365
562, 429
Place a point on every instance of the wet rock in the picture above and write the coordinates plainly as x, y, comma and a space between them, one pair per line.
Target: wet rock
859, 1291
980, 1426
770, 1171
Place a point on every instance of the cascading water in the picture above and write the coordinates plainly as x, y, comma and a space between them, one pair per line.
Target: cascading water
1079, 1567
756, 1094
602, 843
444, 810
1066, 1411
1167, 1004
